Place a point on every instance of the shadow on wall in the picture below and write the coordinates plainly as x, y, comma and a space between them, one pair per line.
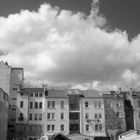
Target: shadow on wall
59, 137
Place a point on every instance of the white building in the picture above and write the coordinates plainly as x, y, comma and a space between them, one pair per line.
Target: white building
30, 113
57, 112
75, 111
36, 119
92, 114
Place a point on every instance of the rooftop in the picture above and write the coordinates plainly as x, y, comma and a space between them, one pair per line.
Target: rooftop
65, 93
27, 90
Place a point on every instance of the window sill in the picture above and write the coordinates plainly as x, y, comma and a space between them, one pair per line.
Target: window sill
51, 119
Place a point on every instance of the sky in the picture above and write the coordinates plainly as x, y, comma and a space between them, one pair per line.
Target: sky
87, 44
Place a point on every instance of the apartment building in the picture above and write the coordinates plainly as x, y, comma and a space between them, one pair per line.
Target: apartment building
36, 113
30, 114
129, 110
134, 98
114, 113
21, 116
16, 82
57, 112
92, 114
11, 80
3, 114
75, 112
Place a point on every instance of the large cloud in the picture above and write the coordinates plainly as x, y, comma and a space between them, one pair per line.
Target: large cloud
61, 46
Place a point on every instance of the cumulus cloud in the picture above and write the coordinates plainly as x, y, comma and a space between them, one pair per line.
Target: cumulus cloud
63, 47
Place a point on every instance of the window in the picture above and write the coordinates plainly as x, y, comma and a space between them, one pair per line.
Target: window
119, 114
51, 104
31, 104
30, 117
21, 114
86, 116
51, 116
62, 104
74, 116
36, 94
87, 127
31, 94
40, 105
138, 103
62, 127
35, 117
21, 117
36, 105
97, 104
100, 116
62, 116
48, 127
98, 127
21, 104
86, 104
14, 88
96, 116
40, 94
40, 116
53, 127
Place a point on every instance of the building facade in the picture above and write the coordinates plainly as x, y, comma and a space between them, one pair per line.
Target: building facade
40, 112
134, 98
11, 80
3, 114
114, 113
30, 114
56, 112
16, 83
5, 73
92, 114
75, 111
